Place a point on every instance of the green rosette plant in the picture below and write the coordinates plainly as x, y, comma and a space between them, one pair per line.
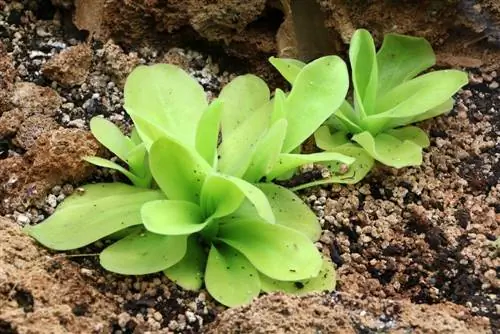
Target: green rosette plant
388, 95
206, 218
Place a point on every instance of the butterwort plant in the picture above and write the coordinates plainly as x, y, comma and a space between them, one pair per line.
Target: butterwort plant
209, 215
388, 96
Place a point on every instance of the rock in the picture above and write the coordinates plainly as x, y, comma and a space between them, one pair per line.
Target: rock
32, 128
53, 159
70, 67
7, 76
34, 99
117, 63
33, 109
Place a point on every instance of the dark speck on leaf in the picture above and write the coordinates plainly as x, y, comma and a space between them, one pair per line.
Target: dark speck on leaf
299, 285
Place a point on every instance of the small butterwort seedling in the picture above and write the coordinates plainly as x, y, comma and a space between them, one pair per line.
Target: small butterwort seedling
387, 97
205, 213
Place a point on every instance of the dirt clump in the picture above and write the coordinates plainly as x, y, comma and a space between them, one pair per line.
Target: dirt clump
344, 313
45, 293
70, 67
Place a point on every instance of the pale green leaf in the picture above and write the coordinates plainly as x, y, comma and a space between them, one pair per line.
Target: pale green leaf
241, 97
138, 161
178, 171
278, 107
328, 142
319, 89
400, 59
364, 71
171, 217
189, 272
289, 68
345, 119
324, 281
237, 148
417, 96
101, 210
111, 137
230, 278
356, 171
389, 150
267, 152
168, 97
275, 250
253, 194
439, 110
137, 181
412, 133
143, 253
207, 134
220, 196
134, 136
287, 162
148, 131
290, 211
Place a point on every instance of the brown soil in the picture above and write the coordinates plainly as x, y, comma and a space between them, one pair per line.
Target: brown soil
413, 246
342, 313
45, 293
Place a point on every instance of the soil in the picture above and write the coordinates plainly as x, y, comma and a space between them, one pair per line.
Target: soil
414, 247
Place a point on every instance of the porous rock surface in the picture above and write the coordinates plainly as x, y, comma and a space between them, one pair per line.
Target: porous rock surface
251, 29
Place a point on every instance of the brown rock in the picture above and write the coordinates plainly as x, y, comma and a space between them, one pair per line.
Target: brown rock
7, 76
54, 158
45, 293
343, 313
57, 155
117, 63
32, 128
29, 100
70, 67
33, 99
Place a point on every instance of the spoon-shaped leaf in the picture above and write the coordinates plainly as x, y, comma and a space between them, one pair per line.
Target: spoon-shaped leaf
225, 194
401, 58
220, 196
102, 209
319, 89
167, 96
412, 133
111, 137
207, 133
230, 278
171, 217
390, 150
241, 97
137, 181
143, 253
237, 148
290, 211
178, 171
407, 99
288, 68
324, 281
275, 250
267, 152
189, 272
364, 71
